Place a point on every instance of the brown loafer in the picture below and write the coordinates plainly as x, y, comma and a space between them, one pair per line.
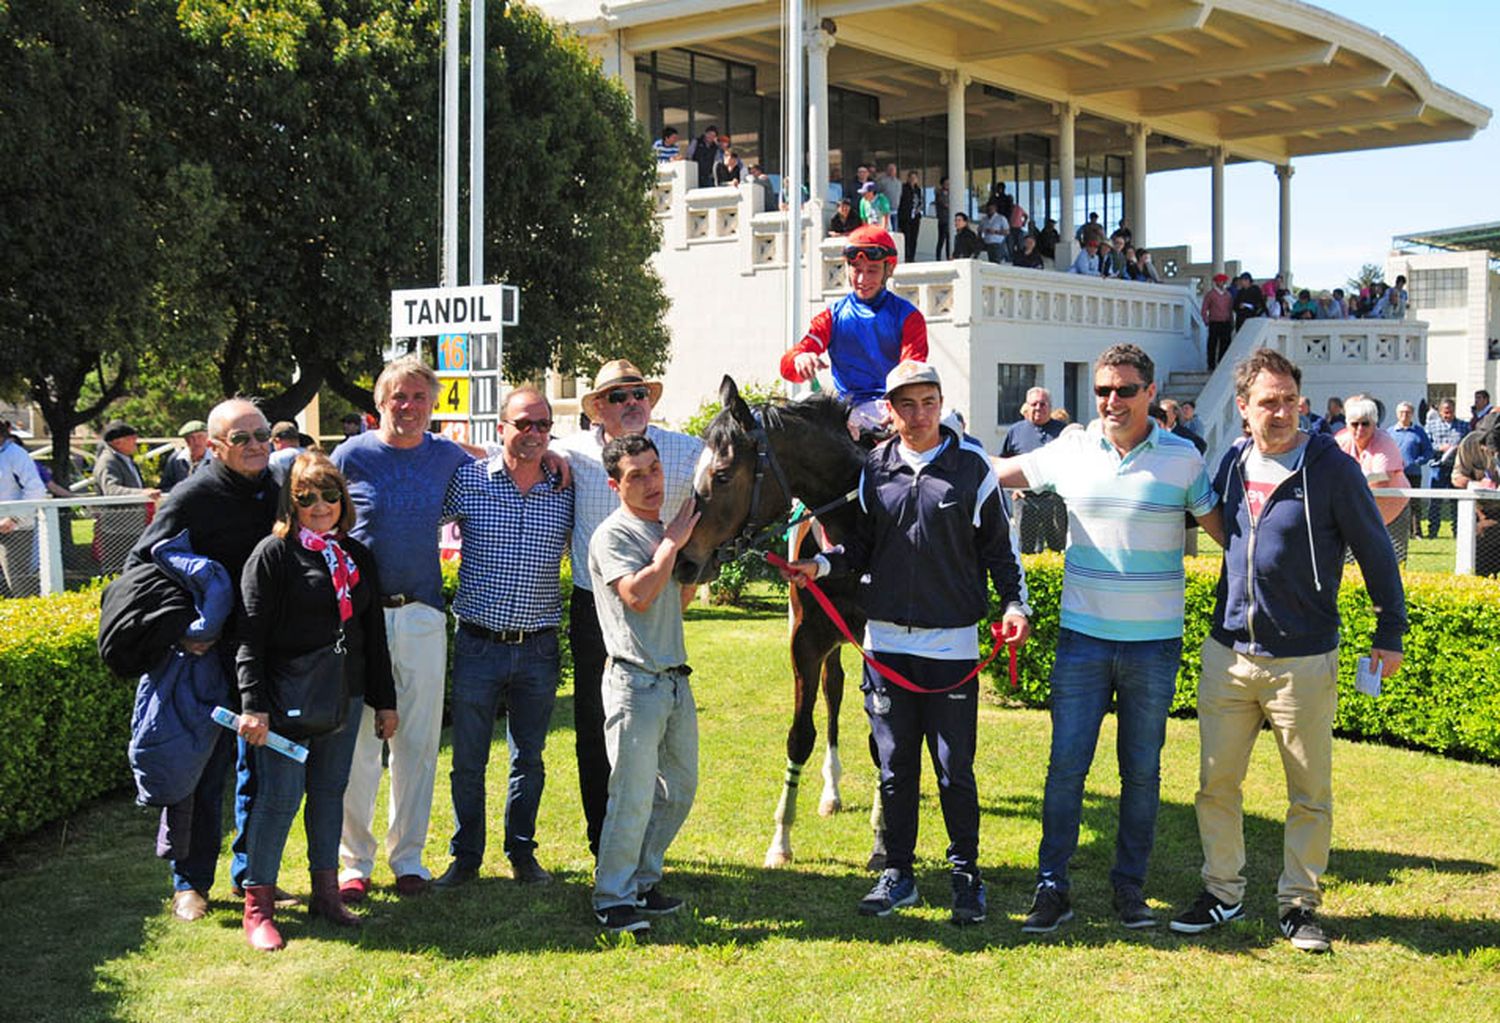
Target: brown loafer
189, 905
284, 899
411, 884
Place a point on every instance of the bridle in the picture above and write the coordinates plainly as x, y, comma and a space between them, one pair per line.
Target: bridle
751, 534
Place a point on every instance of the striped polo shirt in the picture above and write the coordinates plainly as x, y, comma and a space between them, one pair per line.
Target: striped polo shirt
1122, 576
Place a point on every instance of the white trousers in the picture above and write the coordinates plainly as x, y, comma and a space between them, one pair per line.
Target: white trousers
416, 635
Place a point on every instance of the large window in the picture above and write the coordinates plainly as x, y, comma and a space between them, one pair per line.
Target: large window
1439, 289
691, 91
1013, 380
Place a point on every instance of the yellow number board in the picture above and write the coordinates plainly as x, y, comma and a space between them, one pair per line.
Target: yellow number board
453, 398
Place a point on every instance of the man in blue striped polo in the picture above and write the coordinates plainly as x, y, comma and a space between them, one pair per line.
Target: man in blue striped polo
1127, 483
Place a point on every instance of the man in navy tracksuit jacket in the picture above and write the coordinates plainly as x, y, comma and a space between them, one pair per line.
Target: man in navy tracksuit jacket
1292, 502
932, 531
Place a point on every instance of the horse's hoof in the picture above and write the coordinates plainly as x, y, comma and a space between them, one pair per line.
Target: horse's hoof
876, 862
776, 858
829, 807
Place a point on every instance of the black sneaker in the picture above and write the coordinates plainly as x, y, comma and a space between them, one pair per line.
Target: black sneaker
1049, 909
893, 889
968, 899
526, 870
652, 902
622, 918
1207, 913
1301, 927
1131, 908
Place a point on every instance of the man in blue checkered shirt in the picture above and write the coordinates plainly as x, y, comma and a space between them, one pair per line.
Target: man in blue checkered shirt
515, 523
1445, 430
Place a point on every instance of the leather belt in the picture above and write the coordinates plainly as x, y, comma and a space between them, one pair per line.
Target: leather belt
510, 637
396, 600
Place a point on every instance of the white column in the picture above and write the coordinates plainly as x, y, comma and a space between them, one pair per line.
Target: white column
1138, 133
958, 142
1284, 238
1218, 210
1066, 179
819, 43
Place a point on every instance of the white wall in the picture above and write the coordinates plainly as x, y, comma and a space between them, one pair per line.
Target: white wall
1457, 337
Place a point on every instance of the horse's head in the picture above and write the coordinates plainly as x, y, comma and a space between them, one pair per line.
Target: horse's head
723, 485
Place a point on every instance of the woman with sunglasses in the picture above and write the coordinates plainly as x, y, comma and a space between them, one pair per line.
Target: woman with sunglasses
306, 587
864, 334
1380, 457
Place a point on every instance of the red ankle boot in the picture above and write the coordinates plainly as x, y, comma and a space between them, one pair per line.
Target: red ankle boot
260, 913
327, 901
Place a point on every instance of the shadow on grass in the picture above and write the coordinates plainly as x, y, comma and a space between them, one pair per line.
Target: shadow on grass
733, 905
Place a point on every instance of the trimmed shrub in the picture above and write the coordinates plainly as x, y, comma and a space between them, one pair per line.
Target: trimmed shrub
1446, 698
64, 716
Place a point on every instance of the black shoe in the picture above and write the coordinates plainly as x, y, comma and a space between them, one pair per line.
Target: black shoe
620, 919
1301, 927
1207, 913
529, 871
893, 889
1130, 906
652, 902
457, 874
968, 899
1049, 909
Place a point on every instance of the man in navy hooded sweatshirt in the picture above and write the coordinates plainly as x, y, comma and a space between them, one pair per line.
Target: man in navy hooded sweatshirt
1290, 507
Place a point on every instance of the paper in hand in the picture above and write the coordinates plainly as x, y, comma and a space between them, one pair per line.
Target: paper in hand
1367, 680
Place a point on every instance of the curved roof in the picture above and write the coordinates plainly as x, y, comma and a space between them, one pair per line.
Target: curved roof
1266, 79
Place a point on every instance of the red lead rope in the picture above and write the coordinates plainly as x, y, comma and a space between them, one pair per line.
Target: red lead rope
891, 674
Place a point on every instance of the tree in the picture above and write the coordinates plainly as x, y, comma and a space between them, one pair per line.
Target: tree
1368, 275
101, 232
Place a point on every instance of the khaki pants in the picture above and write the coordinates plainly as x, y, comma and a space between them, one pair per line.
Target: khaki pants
1297, 696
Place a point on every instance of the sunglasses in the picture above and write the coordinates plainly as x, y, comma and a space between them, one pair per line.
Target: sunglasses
527, 425
1360, 422
1125, 391
873, 253
239, 438
621, 395
308, 498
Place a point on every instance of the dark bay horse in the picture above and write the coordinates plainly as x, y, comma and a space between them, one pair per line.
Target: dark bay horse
754, 463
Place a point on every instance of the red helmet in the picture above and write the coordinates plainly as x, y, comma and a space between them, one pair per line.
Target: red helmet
871, 243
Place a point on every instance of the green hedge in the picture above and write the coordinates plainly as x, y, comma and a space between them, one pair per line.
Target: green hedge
1446, 698
64, 718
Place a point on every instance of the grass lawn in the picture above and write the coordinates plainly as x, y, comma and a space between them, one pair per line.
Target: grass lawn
1413, 901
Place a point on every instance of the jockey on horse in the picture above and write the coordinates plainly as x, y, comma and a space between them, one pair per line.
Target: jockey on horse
864, 334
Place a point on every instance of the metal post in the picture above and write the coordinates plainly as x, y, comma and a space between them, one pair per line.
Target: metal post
49, 540
476, 141
450, 146
796, 110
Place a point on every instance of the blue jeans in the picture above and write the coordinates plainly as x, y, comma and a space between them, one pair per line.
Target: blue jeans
196, 869
651, 731
1142, 678
521, 677
279, 783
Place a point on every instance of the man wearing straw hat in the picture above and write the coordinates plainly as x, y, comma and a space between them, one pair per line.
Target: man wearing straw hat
619, 404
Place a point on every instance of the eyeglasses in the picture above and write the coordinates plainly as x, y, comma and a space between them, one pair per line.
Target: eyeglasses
1125, 391
873, 253
239, 438
308, 498
1360, 422
527, 425
621, 395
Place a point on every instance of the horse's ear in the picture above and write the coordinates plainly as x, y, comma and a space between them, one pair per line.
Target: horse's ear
729, 397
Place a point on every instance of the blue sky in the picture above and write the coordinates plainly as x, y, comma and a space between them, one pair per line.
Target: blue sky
1345, 208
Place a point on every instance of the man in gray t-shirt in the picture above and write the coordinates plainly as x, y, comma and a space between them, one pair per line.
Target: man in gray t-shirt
650, 721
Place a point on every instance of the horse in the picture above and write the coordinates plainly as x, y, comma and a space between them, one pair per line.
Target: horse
754, 464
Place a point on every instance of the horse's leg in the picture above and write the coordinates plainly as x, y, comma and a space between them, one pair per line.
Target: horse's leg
877, 817
806, 661
833, 698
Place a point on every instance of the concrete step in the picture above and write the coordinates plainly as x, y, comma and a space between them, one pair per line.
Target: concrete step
1183, 386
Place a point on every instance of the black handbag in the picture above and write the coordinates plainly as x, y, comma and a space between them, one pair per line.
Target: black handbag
309, 696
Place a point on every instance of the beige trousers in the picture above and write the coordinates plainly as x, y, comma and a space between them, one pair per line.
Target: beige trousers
1297, 696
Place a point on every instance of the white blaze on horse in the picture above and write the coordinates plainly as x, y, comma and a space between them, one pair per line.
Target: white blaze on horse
754, 464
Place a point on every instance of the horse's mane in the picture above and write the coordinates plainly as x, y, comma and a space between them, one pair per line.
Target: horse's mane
822, 411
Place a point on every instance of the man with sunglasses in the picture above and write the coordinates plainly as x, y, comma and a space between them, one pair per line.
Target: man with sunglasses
619, 405
516, 523
227, 507
1126, 482
864, 335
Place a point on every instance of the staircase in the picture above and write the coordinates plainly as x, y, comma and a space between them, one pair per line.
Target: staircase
1183, 386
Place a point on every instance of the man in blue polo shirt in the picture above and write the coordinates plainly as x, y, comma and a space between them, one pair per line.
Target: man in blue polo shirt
1126, 482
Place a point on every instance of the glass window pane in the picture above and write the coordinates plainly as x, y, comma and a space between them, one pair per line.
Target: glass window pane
1013, 380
